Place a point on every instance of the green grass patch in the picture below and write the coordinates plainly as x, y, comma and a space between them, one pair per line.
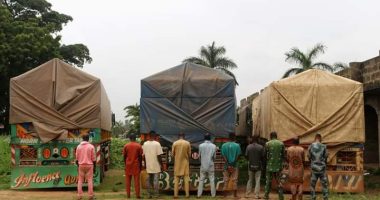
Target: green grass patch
114, 181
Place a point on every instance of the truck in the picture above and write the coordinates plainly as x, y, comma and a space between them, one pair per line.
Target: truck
51, 107
192, 99
313, 102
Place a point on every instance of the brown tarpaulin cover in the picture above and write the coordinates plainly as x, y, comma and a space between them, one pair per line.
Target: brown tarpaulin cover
310, 102
55, 97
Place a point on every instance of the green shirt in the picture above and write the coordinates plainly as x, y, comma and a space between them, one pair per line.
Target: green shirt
231, 151
275, 151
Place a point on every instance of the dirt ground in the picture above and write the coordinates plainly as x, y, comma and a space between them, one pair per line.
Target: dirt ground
71, 194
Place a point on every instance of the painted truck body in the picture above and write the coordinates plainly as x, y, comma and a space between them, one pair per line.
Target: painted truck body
52, 107
192, 99
317, 101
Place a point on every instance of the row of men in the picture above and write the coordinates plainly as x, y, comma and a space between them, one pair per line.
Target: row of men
272, 155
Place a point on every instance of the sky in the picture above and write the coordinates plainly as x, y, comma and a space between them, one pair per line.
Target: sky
131, 40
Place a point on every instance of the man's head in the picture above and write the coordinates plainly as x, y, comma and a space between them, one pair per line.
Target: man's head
181, 135
86, 137
318, 137
273, 135
132, 137
296, 141
232, 136
208, 137
255, 139
152, 134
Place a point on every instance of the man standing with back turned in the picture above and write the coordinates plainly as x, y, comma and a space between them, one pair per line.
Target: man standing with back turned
132, 154
181, 150
318, 162
231, 152
275, 153
207, 154
296, 157
85, 159
256, 156
153, 163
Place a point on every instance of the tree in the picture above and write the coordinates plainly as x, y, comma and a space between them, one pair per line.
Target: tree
133, 117
119, 128
213, 57
305, 61
339, 66
29, 36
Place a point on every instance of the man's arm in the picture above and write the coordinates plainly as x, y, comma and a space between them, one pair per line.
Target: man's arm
326, 155
238, 154
303, 156
140, 157
93, 159
124, 154
266, 151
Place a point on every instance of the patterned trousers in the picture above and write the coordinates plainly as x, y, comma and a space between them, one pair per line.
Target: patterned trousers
325, 184
268, 184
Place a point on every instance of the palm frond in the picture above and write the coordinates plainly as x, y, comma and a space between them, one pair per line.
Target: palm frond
324, 66
315, 51
338, 66
196, 60
296, 56
228, 72
292, 71
226, 63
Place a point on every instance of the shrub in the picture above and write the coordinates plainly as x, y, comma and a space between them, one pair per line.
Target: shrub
117, 145
5, 156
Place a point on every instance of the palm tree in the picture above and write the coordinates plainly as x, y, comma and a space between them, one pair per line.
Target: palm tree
213, 56
133, 117
306, 61
339, 66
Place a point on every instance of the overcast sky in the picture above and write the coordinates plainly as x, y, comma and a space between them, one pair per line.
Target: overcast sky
130, 40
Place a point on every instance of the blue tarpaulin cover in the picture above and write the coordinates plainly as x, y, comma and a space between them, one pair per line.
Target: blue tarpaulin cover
188, 98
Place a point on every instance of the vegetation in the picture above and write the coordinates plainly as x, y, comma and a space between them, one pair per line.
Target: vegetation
117, 145
306, 61
119, 129
213, 57
29, 36
5, 162
133, 117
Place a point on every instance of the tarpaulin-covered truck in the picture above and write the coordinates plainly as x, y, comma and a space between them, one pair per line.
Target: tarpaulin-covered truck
313, 102
51, 107
192, 99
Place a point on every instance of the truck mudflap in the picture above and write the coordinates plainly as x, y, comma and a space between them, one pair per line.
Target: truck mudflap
48, 177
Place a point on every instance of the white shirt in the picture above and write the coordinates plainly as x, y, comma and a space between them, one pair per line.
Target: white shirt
151, 149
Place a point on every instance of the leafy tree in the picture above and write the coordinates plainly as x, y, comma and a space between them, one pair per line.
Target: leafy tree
305, 61
29, 36
133, 117
213, 56
119, 128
